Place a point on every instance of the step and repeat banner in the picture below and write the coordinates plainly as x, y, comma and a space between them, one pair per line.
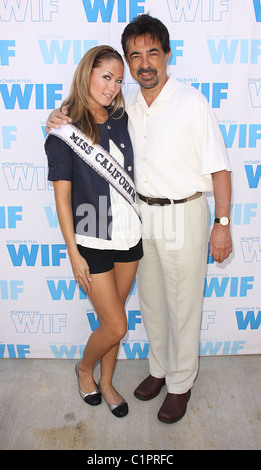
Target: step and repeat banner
216, 48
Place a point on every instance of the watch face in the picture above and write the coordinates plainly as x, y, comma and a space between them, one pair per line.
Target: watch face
224, 221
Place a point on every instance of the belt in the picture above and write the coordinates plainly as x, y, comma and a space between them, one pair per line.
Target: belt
163, 202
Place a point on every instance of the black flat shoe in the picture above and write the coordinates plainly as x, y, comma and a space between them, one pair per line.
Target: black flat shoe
119, 410
93, 398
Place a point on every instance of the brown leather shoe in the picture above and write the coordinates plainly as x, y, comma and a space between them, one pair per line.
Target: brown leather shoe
174, 407
149, 388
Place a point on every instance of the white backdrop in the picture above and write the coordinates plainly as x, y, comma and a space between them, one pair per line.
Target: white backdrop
216, 47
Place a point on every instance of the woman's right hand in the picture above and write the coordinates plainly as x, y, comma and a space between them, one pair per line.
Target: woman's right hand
81, 271
57, 119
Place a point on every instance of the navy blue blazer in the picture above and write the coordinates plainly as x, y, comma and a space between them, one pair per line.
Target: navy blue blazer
87, 185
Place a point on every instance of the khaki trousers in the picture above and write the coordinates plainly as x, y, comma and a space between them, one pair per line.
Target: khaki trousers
170, 282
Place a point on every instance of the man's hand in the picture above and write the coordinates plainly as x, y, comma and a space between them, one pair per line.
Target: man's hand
57, 119
220, 243
220, 237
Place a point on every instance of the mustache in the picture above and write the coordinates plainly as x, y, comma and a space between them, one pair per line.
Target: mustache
143, 70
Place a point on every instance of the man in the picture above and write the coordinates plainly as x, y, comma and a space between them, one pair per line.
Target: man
179, 155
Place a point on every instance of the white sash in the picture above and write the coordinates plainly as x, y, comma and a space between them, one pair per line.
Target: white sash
100, 160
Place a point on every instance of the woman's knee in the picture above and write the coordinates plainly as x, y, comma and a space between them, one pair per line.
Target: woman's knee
119, 331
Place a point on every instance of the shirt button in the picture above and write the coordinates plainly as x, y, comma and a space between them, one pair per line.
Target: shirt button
122, 146
129, 168
109, 128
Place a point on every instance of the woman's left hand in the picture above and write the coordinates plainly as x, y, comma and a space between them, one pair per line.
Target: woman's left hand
81, 272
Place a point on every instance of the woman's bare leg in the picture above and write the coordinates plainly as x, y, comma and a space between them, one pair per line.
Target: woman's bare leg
108, 294
124, 276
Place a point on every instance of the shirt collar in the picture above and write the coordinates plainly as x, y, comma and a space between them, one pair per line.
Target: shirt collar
164, 96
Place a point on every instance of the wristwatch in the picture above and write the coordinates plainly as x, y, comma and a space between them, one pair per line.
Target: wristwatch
224, 221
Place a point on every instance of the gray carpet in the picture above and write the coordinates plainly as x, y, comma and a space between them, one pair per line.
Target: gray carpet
40, 408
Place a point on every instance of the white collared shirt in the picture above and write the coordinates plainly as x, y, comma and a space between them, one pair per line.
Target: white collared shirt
177, 142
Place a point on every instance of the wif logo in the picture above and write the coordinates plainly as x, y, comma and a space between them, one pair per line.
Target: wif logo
99, 8
44, 255
26, 177
232, 286
247, 51
241, 135
32, 10
202, 10
34, 322
60, 51
21, 96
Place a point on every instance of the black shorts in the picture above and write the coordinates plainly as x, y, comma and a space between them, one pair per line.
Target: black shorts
101, 261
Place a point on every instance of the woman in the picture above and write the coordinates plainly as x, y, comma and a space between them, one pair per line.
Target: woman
100, 226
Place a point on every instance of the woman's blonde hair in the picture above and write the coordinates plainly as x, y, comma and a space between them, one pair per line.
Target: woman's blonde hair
78, 102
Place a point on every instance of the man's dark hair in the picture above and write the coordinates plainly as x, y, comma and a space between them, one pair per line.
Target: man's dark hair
143, 25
